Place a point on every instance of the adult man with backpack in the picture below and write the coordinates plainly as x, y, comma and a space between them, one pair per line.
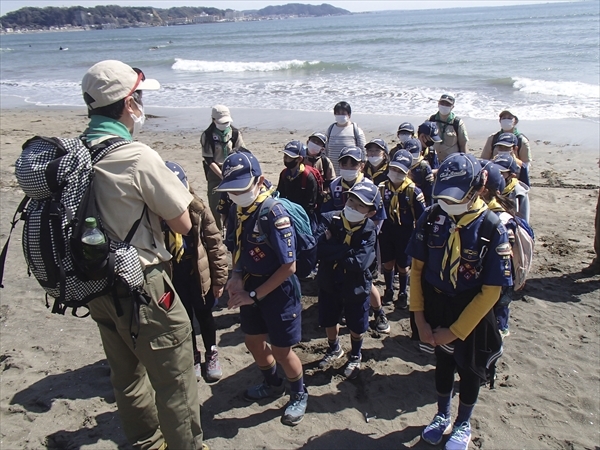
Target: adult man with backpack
218, 141
451, 128
147, 345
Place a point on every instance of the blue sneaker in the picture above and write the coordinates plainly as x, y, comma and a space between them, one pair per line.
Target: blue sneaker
460, 437
264, 390
434, 432
295, 409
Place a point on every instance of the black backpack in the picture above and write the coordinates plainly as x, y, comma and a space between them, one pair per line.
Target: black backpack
57, 177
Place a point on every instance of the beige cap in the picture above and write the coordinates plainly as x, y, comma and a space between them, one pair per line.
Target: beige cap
109, 81
221, 114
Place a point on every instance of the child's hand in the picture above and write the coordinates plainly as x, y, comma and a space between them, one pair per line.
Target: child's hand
425, 334
443, 336
234, 285
239, 299
328, 234
218, 291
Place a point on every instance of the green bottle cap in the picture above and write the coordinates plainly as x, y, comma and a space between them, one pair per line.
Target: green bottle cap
90, 222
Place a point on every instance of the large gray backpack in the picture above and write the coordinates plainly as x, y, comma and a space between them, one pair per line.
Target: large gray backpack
57, 177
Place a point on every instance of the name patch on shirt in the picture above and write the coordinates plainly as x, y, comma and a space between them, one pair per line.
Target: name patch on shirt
282, 223
503, 249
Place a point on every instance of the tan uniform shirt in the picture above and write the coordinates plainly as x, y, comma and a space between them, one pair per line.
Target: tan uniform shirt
524, 153
126, 179
451, 141
222, 150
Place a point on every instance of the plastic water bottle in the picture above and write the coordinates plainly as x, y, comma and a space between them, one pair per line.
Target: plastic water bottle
93, 241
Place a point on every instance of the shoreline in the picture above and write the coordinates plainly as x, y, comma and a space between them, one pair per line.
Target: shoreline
582, 134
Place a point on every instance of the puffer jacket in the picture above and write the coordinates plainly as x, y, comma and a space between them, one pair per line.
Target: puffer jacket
211, 266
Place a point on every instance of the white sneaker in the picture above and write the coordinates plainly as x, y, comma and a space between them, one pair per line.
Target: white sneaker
353, 367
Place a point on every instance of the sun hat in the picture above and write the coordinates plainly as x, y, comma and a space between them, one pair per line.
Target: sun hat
221, 114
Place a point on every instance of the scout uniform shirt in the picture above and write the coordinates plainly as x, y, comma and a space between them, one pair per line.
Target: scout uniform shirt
407, 210
423, 177
336, 198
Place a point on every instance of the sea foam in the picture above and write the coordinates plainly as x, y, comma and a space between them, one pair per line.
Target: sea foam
573, 89
192, 65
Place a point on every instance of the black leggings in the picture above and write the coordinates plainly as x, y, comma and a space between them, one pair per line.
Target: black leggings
444, 378
208, 328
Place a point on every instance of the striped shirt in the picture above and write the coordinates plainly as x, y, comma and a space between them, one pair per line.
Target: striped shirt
341, 137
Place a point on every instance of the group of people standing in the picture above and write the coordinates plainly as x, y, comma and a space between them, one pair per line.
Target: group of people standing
426, 203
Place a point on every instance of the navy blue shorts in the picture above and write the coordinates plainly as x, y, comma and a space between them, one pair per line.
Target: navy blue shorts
356, 313
279, 314
393, 241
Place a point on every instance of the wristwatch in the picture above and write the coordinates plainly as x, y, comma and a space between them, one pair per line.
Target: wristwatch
253, 296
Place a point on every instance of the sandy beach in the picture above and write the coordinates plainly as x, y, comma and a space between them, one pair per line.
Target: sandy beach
55, 391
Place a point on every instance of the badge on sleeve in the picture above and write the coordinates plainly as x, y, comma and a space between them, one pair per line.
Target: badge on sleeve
282, 223
503, 249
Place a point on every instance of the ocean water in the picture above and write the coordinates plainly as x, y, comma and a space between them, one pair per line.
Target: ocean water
541, 60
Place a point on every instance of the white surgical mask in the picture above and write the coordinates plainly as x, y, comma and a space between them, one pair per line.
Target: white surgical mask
222, 126
454, 209
314, 149
341, 119
507, 124
403, 137
396, 177
353, 215
138, 122
375, 160
349, 174
444, 110
244, 200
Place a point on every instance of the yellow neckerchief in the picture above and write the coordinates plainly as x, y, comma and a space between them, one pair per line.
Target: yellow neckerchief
510, 186
495, 206
300, 170
350, 230
346, 187
243, 214
417, 161
395, 203
453, 246
380, 171
176, 245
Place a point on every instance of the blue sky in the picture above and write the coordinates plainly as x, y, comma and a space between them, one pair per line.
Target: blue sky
351, 5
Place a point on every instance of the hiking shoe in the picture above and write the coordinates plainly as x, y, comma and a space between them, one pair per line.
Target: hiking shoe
330, 357
213, 366
295, 409
382, 323
264, 390
402, 301
353, 367
197, 367
592, 269
388, 297
434, 432
504, 333
460, 437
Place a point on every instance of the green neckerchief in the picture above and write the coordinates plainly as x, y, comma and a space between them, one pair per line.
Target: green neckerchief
225, 136
446, 122
101, 126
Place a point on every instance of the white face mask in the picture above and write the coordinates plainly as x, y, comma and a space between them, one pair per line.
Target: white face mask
138, 122
396, 177
341, 119
507, 124
453, 209
222, 126
375, 160
403, 137
314, 149
349, 174
353, 215
244, 200
444, 110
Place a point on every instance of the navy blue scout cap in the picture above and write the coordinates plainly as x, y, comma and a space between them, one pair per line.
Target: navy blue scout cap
319, 136
430, 129
495, 180
406, 127
378, 143
295, 149
402, 160
367, 193
239, 171
178, 170
456, 177
507, 140
414, 147
506, 162
352, 152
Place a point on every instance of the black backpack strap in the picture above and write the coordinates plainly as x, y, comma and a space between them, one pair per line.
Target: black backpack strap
486, 234
136, 224
13, 224
235, 133
456, 124
431, 216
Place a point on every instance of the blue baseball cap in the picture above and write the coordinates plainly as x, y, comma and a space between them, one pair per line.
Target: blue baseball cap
239, 171
414, 147
495, 180
430, 129
402, 160
379, 143
456, 177
319, 136
295, 149
352, 152
406, 127
367, 193
507, 140
178, 170
506, 162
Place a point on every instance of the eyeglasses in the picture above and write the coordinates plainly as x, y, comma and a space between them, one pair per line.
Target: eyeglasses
141, 77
